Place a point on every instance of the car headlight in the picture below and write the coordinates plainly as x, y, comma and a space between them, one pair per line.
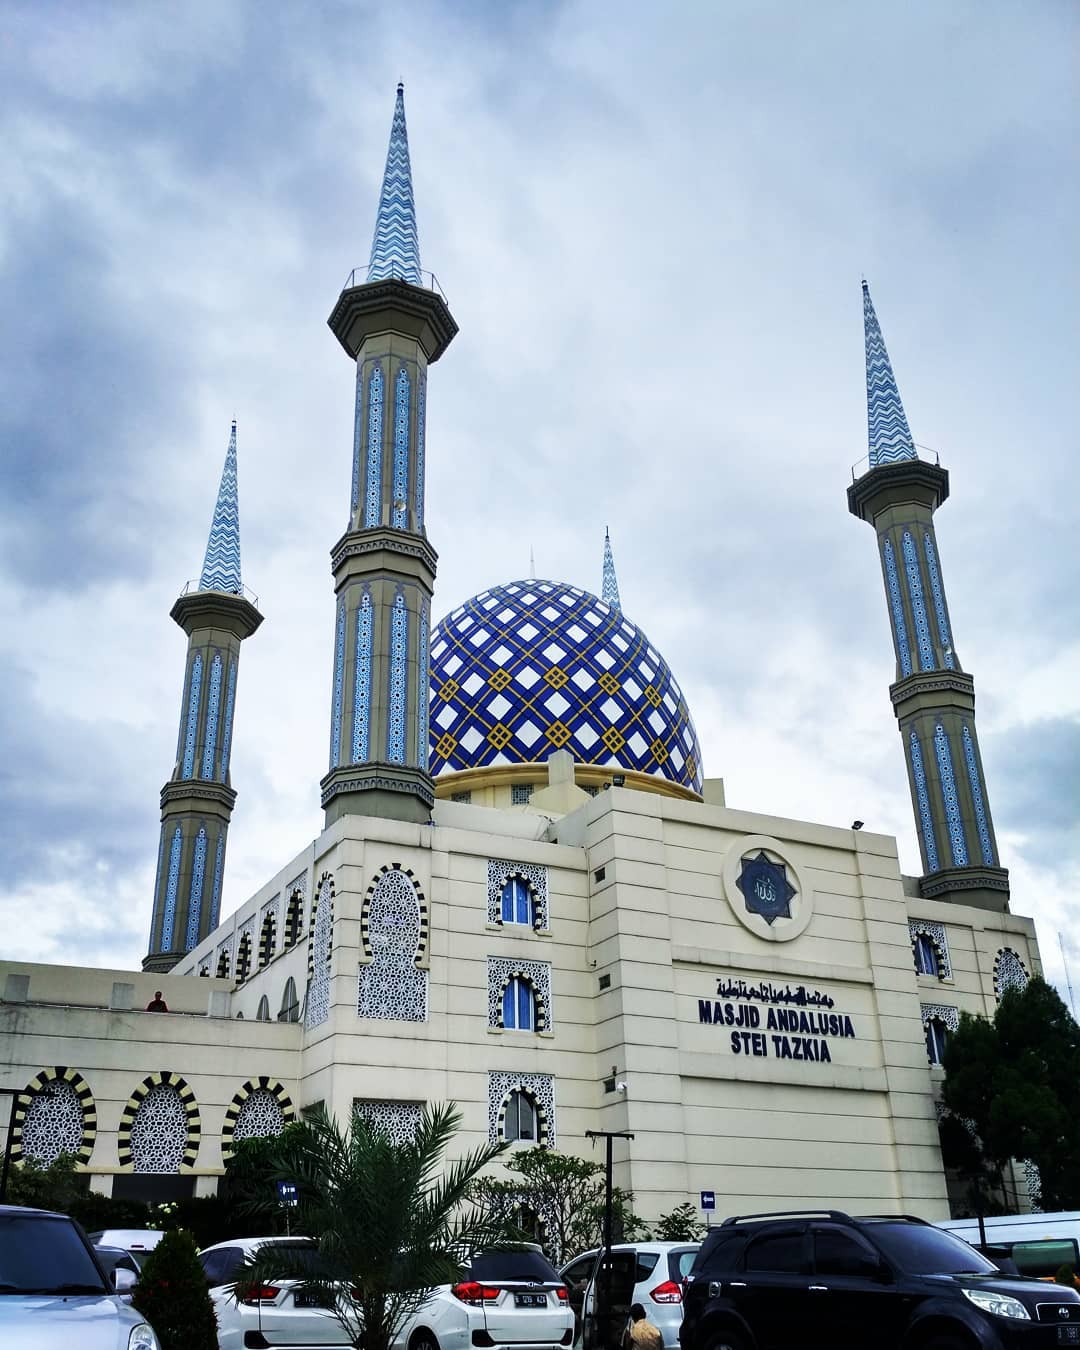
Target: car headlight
1001, 1305
142, 1338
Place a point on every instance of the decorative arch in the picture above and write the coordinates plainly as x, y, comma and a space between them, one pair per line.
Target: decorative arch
392, 983
223, 963
165, 1079
537, 974
267, 938
320, 952
421, 902
1009, 972
543, 1130
294, 917
75, 1117
243, 958
935, 935
252, 1100
262, 1013
532, 876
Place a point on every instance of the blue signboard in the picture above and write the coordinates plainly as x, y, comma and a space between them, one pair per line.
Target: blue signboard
287, 1193
708, 1199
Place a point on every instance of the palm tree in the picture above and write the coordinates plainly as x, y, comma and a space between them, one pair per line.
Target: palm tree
389, 1221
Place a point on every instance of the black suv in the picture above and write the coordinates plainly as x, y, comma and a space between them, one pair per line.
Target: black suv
821, 1280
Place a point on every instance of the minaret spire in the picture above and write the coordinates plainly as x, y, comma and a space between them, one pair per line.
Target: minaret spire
395, 248
888, 430
932, 696
197, 801
221, 566
611, 584
393, 327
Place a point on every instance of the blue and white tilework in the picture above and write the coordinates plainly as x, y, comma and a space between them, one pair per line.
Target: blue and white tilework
198, 877
421, 414
171, 888
398, 683
195, 689
221, 566
395, 248
399, 506
373, 459
422, 705
926, 820
535, 666
918, 605
938, 594
358, 438
339, 687
362, 680
610, 580
896, 605
219, 865
226, 735
982, 824
887, 426
213, 715
943, 751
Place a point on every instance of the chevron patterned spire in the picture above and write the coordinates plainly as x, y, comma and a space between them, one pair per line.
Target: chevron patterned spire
890, 436
221, 566
395, 249
611, 584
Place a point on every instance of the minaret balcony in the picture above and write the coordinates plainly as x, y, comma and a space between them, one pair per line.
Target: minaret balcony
235, 611
392, 305
875, 489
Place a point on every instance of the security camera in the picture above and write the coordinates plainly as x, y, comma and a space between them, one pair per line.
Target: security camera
620, 1086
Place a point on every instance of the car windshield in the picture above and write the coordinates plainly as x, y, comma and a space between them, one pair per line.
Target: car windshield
40, 1254
524, 1265
921, 1249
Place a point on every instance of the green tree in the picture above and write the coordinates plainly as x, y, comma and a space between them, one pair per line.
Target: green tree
1016, 1083
173, 1297
56, 1185
679, 1225
391, 1221
567, 1193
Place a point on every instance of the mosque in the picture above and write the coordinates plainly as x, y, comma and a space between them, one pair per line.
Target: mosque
527, 896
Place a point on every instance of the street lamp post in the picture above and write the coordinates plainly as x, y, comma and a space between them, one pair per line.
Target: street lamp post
603, 1287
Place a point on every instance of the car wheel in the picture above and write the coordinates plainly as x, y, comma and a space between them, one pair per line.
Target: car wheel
729, 1340
424, 1340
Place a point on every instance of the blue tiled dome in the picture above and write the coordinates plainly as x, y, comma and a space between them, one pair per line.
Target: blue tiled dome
536, 666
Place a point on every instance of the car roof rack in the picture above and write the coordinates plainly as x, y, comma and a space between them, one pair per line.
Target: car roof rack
788, 1214
906, 1218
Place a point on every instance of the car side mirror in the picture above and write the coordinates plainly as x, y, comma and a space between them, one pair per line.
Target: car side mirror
124, 1280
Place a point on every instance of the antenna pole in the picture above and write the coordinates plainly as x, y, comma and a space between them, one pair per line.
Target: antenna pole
1068, 981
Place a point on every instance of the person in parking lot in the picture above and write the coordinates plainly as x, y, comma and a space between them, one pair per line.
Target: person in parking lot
640, 1334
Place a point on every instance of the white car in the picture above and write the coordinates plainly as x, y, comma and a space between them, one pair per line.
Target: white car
649, 1273
503, 1299
278, 1313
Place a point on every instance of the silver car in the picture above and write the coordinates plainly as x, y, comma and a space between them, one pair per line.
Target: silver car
53, 1292
649, 1273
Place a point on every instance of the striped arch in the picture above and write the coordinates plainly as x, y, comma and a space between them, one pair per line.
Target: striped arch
223, 964
42, 1081
1009, 972
232, 1111
539, 1001
267, 938
542, 1131
243, 958
325, 881
365, 912
194, 1124
294, 917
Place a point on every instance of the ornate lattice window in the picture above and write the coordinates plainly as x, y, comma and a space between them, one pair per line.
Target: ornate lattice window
159, 1128
930, 947
393, 929
537, 1088
320, 951
938, 1022
1009, 972
399, 1121
464, 797
54, 1114
533, 877
268, 935
243, 958
520, 990
294, 916
521, 794
261, 1108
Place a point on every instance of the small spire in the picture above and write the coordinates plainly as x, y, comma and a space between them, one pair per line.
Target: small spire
221, 566
532, 564
395, 249
611, 586
889, 434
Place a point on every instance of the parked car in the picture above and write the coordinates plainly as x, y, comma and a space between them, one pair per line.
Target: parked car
137, 1241
277, 1313
112, 1259
510, 1298
1040, 1258
807, 1281
54, 1294
649, 1273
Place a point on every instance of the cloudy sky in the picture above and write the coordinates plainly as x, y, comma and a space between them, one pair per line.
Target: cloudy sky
651, 222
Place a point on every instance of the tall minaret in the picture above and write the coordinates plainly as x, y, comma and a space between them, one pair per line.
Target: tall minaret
393, 324
611, 583
933, 697
197, 801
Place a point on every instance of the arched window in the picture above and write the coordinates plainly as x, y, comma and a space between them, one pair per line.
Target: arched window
926, 957
517, 902
530, 1223
290, 1004
519, 1005
294, 917
267, 939
223, 965
263, 1012
243, 959
937, 1035
522, 1122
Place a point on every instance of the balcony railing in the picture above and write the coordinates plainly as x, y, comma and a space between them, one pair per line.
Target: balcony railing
192, 586
922, 452
428, 280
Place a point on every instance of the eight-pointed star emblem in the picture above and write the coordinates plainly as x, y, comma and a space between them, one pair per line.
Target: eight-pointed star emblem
765, 888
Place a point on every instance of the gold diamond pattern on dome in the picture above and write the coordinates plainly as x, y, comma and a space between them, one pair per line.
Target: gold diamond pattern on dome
541, 666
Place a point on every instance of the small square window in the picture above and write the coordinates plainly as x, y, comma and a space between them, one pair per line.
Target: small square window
605, 981
520, 794
599, 874
463, 797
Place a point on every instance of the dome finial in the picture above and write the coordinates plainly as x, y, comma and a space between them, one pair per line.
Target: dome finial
532, 564
610, 593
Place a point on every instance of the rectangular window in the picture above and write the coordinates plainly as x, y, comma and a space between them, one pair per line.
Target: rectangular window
520, 794
464, 797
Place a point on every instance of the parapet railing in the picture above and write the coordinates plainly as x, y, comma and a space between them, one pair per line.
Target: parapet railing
249, 595
922, 452
360, 276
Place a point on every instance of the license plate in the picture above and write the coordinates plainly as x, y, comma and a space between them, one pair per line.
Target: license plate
1068, 1335
310, 1298
539, 1301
